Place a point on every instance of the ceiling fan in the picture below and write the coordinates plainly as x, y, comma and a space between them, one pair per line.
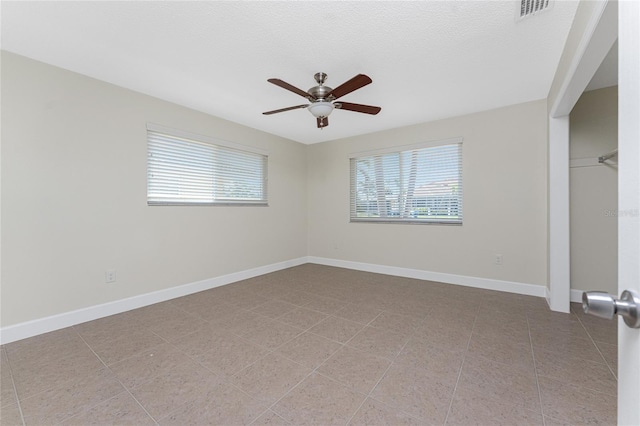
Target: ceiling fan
322, 97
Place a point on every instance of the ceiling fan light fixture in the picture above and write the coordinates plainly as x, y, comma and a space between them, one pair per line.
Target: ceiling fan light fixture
320, 109
321, 97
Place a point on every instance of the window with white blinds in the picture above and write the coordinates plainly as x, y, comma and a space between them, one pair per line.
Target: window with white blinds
418, 185
184, 169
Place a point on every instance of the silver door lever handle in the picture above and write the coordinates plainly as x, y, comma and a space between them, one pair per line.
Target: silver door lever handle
604, 305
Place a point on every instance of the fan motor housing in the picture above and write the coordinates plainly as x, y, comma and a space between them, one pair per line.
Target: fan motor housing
320, 92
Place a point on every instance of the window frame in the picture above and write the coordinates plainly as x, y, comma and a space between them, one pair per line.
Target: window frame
202, 140
399, 150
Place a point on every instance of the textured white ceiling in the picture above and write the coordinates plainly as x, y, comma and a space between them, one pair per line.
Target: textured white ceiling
428, 59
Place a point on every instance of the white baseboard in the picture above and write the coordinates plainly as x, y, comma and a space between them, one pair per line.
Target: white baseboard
484, 283
67, 319
576, 296
547, 295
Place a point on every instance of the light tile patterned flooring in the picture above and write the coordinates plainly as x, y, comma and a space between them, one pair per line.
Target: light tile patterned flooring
323, 346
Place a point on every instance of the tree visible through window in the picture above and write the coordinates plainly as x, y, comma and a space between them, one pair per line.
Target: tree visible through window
416, 185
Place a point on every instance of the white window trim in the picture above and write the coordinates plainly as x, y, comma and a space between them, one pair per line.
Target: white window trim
396, 149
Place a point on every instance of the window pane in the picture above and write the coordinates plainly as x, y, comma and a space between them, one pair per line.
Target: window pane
185, 171
419, 185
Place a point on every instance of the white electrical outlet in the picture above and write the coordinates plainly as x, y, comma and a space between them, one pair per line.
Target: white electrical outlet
498, 259
110, 276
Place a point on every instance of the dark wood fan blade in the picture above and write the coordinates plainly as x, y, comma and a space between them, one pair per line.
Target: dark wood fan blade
355, 83
289, 87
367, 109
322, 122
275, 111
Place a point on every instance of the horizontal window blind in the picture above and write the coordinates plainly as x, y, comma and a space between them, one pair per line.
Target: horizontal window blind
421, 185
185, 171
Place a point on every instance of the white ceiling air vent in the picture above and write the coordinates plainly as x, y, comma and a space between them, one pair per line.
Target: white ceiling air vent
529, 8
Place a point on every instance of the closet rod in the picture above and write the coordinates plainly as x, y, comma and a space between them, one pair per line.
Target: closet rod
605, 157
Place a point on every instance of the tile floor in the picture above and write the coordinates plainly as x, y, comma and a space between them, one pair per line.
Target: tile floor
323, 346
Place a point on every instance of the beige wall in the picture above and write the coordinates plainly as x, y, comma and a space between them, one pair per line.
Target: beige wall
594, 192
505, 200
74, 197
